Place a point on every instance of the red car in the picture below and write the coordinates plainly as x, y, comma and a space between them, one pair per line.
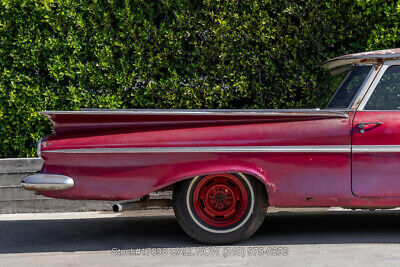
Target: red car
227, 166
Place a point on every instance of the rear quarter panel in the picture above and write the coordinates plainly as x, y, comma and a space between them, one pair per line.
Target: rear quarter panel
291, 178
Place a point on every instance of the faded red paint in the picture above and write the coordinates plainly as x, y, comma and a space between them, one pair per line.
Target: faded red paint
291, 179
377, 174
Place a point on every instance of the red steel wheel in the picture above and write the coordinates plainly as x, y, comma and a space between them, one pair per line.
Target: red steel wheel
220, 200
220, 208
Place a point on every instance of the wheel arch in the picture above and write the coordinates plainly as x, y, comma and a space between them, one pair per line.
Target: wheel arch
255, 172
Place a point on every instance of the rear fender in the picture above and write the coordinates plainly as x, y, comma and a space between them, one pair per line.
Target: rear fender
249, 169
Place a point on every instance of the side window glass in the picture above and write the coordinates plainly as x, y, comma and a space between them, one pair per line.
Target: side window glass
386, 95
349, 88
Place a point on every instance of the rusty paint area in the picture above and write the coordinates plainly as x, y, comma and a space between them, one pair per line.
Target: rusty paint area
370, 57
381, 54
386, 52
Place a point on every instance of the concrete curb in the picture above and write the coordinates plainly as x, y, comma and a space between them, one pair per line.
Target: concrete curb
20, 165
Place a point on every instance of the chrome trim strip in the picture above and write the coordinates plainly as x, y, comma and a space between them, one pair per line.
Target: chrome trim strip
212, 112
47, 182
220, 149
371, 88
237, 149
376, 148
365, 86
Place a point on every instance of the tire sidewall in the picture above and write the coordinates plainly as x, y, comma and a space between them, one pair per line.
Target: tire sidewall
199, 230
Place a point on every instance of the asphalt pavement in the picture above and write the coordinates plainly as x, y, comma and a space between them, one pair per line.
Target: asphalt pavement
153, 238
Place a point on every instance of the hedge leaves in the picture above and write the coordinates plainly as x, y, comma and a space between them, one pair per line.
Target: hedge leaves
68, 55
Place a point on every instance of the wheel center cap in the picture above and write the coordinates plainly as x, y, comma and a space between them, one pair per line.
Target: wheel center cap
220, 197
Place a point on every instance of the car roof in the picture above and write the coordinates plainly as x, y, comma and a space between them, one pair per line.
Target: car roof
371, 57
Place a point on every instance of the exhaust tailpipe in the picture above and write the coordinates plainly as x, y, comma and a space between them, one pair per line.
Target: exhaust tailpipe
143, 204
126, 206
117, 207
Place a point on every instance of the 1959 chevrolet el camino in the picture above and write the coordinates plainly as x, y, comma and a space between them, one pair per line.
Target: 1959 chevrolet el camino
226, 166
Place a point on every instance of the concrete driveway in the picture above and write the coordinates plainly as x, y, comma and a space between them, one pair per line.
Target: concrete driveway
152, 238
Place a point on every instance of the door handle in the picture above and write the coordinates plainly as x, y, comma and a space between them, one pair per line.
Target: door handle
362, 125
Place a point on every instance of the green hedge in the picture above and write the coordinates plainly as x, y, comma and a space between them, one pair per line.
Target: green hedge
67, 55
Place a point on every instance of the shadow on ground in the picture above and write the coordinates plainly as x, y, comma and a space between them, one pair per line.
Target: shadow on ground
280, 228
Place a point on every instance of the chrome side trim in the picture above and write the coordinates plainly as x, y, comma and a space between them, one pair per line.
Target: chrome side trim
376, 148
47, 182
237, 149
211, 112
211, 149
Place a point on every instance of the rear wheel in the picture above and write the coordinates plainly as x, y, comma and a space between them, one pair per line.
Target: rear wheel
220, 208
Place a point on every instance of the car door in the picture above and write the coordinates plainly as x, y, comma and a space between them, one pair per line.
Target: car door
376, 138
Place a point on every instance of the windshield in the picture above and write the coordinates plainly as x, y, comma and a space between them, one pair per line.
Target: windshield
351, 81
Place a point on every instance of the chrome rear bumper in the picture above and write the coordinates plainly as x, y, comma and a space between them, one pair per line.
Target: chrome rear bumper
47, 182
